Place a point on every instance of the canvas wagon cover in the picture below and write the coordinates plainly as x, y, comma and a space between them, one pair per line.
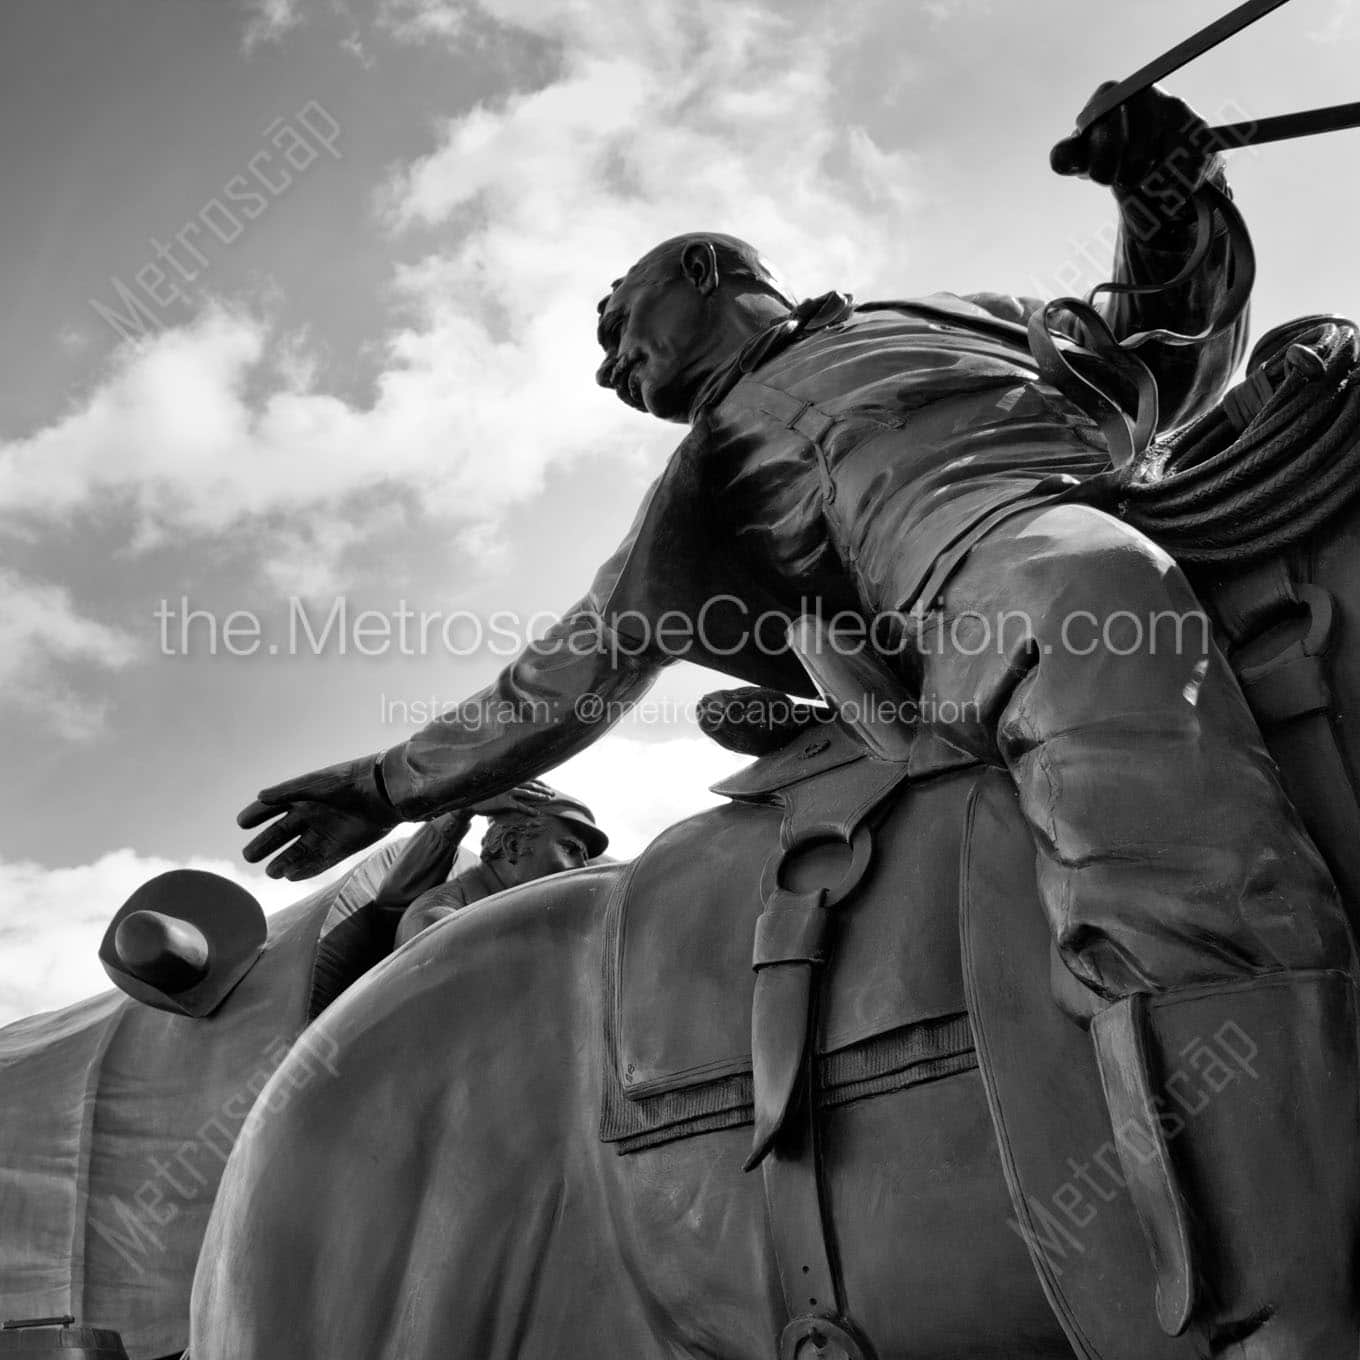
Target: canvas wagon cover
116, 1121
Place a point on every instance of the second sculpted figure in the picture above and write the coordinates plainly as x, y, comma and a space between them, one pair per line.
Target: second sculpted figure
534, 831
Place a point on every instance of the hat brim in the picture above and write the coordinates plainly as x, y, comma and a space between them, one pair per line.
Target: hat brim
596, 842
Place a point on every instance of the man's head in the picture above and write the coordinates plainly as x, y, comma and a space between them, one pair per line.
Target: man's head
679, 314
522, 846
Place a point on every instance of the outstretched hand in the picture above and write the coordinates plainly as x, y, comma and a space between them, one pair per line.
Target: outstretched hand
1153, 135
317, 819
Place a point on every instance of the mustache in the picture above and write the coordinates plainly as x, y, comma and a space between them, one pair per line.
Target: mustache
616, 374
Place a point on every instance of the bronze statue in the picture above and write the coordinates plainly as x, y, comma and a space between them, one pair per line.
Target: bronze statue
534, 831
900, 464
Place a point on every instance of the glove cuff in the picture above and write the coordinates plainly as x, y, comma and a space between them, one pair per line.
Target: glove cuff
372, 786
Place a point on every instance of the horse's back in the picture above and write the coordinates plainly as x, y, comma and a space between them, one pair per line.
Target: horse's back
428, 1177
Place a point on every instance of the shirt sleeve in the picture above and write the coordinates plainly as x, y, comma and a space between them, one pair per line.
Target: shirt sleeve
1153, 245
425, 862
563, 692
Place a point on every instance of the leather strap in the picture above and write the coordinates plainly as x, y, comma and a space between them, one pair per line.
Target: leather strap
794, 928
1122, 1051
792, 945
1129, 435
800, 1227
1292, 701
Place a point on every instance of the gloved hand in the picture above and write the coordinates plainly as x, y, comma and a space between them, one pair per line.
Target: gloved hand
322, 818
1153, 138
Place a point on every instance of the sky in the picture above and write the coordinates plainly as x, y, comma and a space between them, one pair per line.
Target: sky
300, 303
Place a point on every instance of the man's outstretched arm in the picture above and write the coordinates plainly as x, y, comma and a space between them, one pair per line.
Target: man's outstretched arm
562, 693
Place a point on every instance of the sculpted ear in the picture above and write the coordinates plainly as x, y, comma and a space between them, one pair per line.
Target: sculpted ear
700, 264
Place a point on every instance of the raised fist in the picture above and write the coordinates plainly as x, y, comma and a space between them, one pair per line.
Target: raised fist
1152, 136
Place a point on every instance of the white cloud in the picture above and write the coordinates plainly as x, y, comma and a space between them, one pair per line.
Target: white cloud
41, 633
662, 118
1342, 23
636, 788
270, 20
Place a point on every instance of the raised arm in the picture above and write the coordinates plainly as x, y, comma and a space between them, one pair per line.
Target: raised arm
1153, 153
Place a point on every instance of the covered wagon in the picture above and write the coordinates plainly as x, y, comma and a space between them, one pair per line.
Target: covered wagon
116, 1120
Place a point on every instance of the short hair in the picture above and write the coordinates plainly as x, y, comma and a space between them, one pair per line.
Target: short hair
493, 843
736, 259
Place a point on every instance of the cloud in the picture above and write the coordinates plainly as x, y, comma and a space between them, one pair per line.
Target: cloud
42, 635
1342, 23
173, 437
941, 12
638, 788
659, 118
270, 20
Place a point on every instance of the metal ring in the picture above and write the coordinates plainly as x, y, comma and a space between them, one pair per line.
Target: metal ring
817, 1337
861, 845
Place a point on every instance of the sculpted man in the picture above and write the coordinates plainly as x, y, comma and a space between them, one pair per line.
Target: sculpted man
534, 831
903, 457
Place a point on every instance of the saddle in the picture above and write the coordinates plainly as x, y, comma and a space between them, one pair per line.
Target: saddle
816, 932
679, 983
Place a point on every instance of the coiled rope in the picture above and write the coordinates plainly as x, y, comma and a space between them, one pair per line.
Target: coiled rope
1235, 487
